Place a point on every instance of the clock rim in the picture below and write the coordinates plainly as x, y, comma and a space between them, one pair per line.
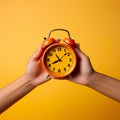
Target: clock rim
74, 57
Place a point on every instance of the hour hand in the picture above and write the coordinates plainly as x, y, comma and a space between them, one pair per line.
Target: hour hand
58, 57
59, 60
55, 61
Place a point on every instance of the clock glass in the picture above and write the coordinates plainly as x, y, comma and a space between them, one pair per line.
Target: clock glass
59, 60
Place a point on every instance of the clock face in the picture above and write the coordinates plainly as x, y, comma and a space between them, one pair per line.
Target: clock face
59, 60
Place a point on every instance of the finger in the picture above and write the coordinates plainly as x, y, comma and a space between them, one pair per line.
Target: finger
78, 45
38, 53
80, 53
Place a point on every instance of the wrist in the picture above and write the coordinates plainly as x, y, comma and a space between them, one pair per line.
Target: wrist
30, 80
36, 80
92, 78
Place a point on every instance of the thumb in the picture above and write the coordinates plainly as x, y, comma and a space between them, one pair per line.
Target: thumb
38, 53
80, 53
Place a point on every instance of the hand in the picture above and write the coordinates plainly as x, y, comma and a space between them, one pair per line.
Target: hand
35, 71
83, 69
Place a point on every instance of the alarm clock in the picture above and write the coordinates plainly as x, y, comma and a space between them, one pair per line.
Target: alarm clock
59, 58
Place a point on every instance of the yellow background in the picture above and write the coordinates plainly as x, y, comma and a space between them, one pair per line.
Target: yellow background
95, 24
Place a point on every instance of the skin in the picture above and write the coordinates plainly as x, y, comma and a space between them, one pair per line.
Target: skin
34, 76
84, 74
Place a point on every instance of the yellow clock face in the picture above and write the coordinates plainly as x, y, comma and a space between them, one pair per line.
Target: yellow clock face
59, 60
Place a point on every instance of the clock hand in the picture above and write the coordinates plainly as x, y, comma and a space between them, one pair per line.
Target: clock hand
58, 57
63, 56
55, 61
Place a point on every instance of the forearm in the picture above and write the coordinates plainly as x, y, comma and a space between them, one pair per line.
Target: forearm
106, 85
15, 91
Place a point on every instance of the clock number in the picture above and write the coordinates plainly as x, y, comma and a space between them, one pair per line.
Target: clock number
54, 50
64, 69
59, 49
64, 50
49, 65
50, 54
68, 54
70, 59
68, 65
59, 70
53, 69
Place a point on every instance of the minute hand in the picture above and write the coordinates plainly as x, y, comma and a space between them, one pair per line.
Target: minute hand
63, 56
59, 59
